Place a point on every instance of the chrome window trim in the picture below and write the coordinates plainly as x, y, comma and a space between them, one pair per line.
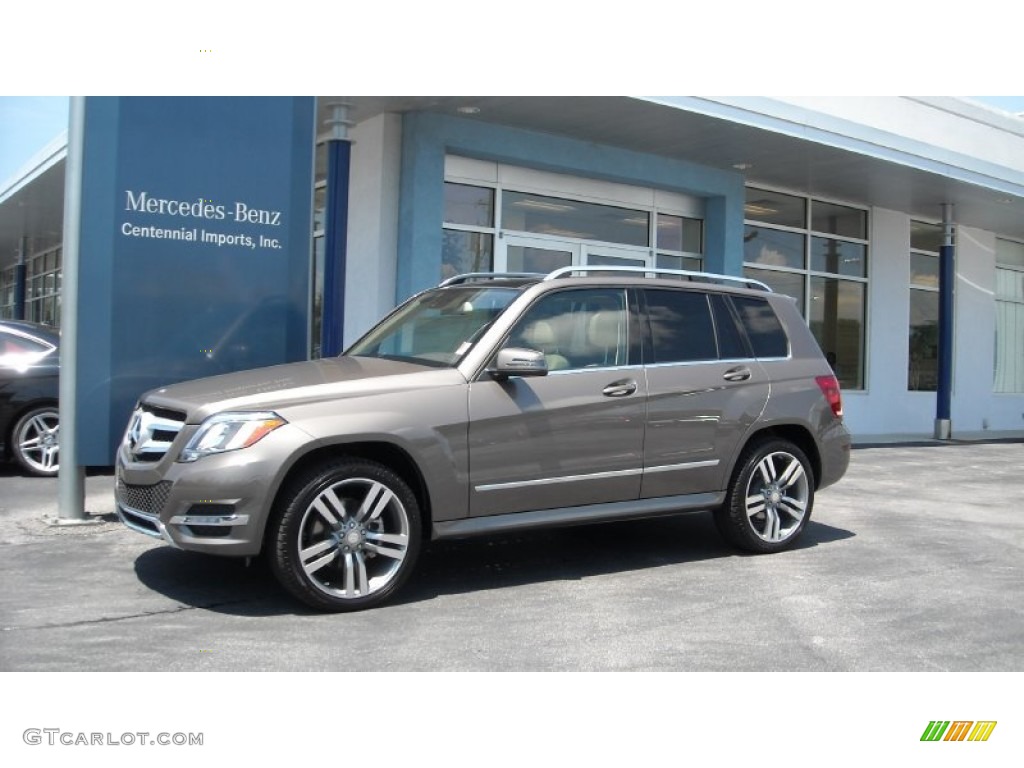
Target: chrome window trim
594, 476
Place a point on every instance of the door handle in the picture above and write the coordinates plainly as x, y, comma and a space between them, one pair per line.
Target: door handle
737, 374
619, 388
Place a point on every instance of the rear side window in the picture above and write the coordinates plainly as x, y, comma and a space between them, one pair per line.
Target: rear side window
681, 327
731, 345
762, 326
20, 345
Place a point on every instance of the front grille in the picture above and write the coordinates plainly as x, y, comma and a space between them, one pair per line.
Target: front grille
151, 431
149, 499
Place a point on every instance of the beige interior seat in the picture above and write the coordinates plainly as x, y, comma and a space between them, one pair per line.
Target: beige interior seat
604, 335
539, 335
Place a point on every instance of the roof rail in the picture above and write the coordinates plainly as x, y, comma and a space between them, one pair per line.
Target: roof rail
467, 277
745, 281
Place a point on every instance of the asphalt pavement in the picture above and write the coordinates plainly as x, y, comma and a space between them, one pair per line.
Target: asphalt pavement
913, 562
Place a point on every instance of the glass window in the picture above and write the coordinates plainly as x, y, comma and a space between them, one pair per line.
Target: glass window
11, 345
838, 257
925, 237
667, 261
526, 212
319, 208
839, 220
837, 322
463, 252
924, 270
1009, 359
676, 233
775, 208
316, 322
542, 260
574, 329
468, 205
437, 327
923, 368
1009, 253
773, 248
767, 338
681, 328
731, 345
788, 283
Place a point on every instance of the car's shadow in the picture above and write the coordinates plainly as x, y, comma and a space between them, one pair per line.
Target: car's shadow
228, 585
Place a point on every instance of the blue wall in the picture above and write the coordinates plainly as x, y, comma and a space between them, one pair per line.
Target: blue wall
426, 138
234, 177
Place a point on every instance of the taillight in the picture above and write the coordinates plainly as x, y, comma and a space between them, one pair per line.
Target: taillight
829, 386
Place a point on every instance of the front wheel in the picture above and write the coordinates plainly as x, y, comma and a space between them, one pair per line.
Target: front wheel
36, 439
770, 498
347, 535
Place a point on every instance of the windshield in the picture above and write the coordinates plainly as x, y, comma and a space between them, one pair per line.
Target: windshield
438, 327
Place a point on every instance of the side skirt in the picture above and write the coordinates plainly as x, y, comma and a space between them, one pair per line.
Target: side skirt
589, 513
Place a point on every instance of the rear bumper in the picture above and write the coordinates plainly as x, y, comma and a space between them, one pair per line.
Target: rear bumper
835, 454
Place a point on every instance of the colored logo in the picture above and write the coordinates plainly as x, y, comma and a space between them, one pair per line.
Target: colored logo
958, 730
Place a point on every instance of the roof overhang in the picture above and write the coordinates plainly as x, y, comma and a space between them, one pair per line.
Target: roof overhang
32, 204
771, 145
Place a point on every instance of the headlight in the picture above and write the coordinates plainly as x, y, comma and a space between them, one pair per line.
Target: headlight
229, 432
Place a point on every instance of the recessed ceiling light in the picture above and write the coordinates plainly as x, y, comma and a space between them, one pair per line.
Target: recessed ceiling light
468, 110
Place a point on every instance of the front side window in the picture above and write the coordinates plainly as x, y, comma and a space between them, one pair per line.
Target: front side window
436, 328
587, 328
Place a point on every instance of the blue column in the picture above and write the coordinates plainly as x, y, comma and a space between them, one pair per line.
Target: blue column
332, 329
947, 278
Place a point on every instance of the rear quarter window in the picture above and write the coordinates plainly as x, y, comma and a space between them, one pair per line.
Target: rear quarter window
763, 328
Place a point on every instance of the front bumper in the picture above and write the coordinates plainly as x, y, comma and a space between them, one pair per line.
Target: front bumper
218, 504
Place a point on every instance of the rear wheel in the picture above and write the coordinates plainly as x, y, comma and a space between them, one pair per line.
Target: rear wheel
347, 536
35, 441
770, 498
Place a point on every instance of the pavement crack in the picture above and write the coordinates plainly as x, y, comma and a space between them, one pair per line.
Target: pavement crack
143, 615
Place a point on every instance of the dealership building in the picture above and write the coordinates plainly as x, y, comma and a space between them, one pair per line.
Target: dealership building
849, 205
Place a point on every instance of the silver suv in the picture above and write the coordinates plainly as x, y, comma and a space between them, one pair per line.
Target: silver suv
492, 403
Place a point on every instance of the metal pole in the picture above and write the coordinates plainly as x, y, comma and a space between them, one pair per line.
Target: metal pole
947, 279
71, 477
339, 151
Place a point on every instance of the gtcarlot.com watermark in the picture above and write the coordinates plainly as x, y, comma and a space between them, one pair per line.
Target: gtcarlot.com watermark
55, 737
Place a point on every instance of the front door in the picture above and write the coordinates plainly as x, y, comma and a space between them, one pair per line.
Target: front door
572, 437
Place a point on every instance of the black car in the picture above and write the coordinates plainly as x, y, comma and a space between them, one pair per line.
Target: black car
29, 420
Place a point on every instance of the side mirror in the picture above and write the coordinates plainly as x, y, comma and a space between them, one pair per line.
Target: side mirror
516, 361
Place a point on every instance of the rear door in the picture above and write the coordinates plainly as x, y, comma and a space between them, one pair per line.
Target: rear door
574, 436
705, 390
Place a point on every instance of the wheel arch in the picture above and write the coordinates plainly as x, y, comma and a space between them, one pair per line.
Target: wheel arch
388, 454
797, 434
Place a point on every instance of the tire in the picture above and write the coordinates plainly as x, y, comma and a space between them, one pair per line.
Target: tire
346, 536
769, 499
34, 441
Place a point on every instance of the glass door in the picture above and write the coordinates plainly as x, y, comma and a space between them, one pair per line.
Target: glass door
534, 254
600, 255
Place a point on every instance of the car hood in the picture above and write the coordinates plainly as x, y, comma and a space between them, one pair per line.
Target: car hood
280, 386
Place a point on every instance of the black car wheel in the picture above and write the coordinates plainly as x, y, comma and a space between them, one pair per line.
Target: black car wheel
347, 535
770, 498
35, 441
